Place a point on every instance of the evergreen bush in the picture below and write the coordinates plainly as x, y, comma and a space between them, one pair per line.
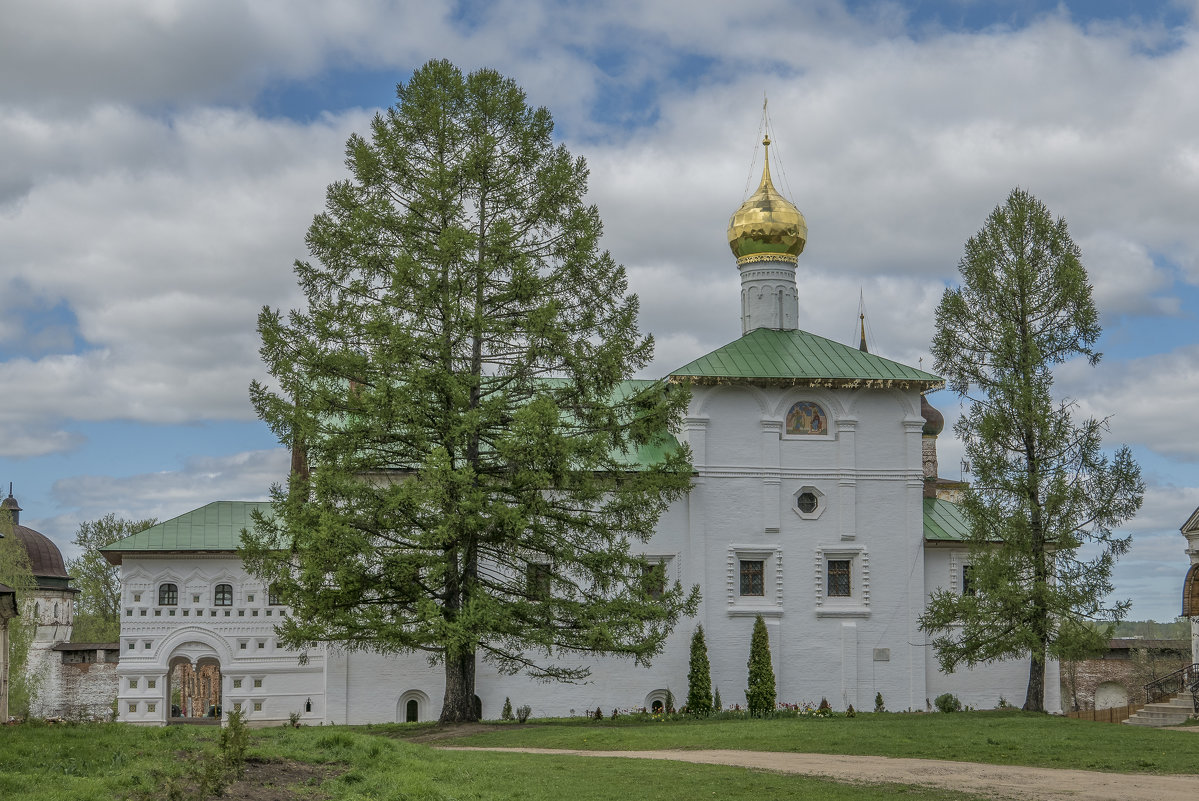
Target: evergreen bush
507, 713
947, 702
760, 695
699, 677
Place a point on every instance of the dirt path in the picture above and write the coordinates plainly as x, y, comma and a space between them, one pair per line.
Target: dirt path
995, 781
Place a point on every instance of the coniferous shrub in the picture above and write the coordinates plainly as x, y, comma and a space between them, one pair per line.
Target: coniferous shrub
947, 702
760, 695
507, 713
233, 742
878, 703
699, 677
716, 702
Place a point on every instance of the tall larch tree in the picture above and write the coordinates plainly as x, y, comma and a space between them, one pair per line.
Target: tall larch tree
1043, 486
482, 466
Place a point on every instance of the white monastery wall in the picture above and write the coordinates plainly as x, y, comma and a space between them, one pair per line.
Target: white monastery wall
982, 685
83, 690
269, 682
865, 471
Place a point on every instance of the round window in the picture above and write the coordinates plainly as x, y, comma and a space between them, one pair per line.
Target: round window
806, 502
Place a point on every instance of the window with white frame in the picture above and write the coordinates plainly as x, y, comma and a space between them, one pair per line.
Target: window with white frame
842, 582
755, 579
808, 502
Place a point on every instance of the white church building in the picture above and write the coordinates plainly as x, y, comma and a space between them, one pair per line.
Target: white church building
814, 504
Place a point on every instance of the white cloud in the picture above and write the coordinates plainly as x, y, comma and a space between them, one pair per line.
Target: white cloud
164, 254
245, 476
1150, 400
22, 441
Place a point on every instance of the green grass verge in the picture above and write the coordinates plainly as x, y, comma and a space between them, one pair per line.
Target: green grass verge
999, 737
103, 761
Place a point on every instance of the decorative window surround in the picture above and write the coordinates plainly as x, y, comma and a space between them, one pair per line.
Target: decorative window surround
957, 560
770, 603
858, 602
807, 490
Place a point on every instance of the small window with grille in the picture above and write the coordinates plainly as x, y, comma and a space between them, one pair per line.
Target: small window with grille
753, 577
839, 578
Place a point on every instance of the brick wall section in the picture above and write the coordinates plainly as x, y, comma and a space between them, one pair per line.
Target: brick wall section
78, 691
1118, 665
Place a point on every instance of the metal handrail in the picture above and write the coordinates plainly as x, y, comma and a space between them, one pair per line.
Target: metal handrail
1181, 680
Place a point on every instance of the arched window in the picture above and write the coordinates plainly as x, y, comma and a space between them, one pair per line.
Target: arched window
807, 418
223, 595
1190, 593
168, 595
272, 596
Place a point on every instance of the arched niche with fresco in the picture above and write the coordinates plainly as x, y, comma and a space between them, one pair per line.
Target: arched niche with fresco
806, 418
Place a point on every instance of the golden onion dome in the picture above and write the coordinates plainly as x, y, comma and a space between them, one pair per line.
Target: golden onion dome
767, 227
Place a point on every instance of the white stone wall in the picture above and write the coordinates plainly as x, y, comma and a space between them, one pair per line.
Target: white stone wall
866, 472
254, 670
982, 685
52, 610
76, 691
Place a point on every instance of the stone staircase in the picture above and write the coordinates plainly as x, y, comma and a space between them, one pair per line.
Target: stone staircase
1164, 713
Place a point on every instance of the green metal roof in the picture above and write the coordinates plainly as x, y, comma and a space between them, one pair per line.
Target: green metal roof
798, 357
944, 521
214, 527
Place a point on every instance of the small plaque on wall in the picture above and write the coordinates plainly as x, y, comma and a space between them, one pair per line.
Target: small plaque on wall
882, 654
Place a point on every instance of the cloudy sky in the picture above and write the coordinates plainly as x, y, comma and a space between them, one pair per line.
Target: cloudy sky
162, 160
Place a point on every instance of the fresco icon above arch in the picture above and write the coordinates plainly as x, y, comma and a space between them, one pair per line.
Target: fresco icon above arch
807, 418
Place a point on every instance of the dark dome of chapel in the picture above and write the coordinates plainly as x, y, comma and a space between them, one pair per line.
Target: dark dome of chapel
45, 560
934, 421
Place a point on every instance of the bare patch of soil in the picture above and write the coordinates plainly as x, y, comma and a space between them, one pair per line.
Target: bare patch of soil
281, 781
447, 731
994, 781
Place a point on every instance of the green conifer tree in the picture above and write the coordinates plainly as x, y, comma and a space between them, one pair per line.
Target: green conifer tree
459, 380
16, 573
1043, 485
699, 677
760, 695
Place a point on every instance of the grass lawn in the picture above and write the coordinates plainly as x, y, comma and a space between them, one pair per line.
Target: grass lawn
117, 761
998, 737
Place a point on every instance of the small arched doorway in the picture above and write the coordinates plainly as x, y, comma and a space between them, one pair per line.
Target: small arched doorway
655, 701
194, 689
413, 707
